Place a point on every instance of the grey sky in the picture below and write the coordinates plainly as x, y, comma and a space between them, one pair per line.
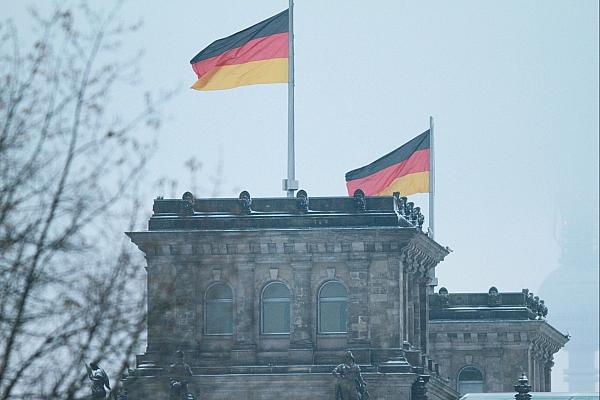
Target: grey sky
512, 85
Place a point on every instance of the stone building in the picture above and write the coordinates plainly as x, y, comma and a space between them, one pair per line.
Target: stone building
482, 340
264, 296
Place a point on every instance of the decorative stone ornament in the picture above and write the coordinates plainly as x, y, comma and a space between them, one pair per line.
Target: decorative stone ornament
419, 389
443, 292
216, 273
494, 298
187, 205
245, 202
523, 388
302, 201
360, 201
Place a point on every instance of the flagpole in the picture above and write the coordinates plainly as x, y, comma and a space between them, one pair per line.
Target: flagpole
290, 184
431, 178
431, 273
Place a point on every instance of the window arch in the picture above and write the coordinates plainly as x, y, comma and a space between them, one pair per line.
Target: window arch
218, 310
470, 380
333, 308
275, 312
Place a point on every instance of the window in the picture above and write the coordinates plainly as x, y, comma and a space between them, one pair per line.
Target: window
275, 309
218, 315
470, 380
333, 308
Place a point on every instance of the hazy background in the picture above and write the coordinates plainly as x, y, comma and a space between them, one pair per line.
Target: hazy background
512, 85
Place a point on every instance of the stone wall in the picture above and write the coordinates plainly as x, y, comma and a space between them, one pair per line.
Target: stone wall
384, 271
313, 386
501, 350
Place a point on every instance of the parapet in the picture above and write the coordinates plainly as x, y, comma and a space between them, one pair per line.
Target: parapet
492, 305
301, 212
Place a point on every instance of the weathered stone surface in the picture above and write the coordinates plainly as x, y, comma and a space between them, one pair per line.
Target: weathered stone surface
375, 250
296, 386
501, 339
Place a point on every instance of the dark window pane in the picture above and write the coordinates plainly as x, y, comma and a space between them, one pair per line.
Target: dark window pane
470, 374
332, 316
333, 289
276, 316
470, 380
276, 290
219, 317
219, 291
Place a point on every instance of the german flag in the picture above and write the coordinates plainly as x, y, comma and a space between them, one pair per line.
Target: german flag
258, 54
404, 170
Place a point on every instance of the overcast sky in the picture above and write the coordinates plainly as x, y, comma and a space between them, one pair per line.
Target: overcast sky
512, 86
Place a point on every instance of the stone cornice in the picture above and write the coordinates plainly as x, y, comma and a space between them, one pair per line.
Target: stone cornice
407, 243
422, 254
549, 339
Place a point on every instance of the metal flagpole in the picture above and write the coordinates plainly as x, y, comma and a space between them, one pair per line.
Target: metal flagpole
433, 282
291, 184
431, 178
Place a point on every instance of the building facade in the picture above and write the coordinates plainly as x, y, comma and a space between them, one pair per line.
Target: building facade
264, 297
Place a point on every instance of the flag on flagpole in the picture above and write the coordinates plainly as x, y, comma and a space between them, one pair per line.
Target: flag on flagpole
405, 170
258, 54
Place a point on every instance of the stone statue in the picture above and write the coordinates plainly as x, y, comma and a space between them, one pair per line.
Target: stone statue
178, 374
99, 380
350, 384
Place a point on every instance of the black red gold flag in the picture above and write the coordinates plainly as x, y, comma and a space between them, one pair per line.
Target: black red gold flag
405, 170
258, 54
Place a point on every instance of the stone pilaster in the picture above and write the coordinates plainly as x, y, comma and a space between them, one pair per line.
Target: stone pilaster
358, 303
244, 339
401, 302
184, 307
548, 373
536, 361
155, 305
410, 307
416, 300
301, 344
162, 319
405, 303
423, 283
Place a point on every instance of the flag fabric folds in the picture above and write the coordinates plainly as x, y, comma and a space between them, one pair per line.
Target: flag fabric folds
405, 170
258, 54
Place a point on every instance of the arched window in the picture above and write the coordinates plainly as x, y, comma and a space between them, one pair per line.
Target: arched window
470, 380
333, 308
218, 315
275, 308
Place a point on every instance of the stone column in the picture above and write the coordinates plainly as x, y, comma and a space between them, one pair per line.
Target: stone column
416, 299
542, 364
536, 381
301, 344
244, 330
410, 308
401, 304
405, 301
423, 282
548, 373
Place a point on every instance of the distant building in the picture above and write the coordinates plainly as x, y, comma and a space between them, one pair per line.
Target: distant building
264, 296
